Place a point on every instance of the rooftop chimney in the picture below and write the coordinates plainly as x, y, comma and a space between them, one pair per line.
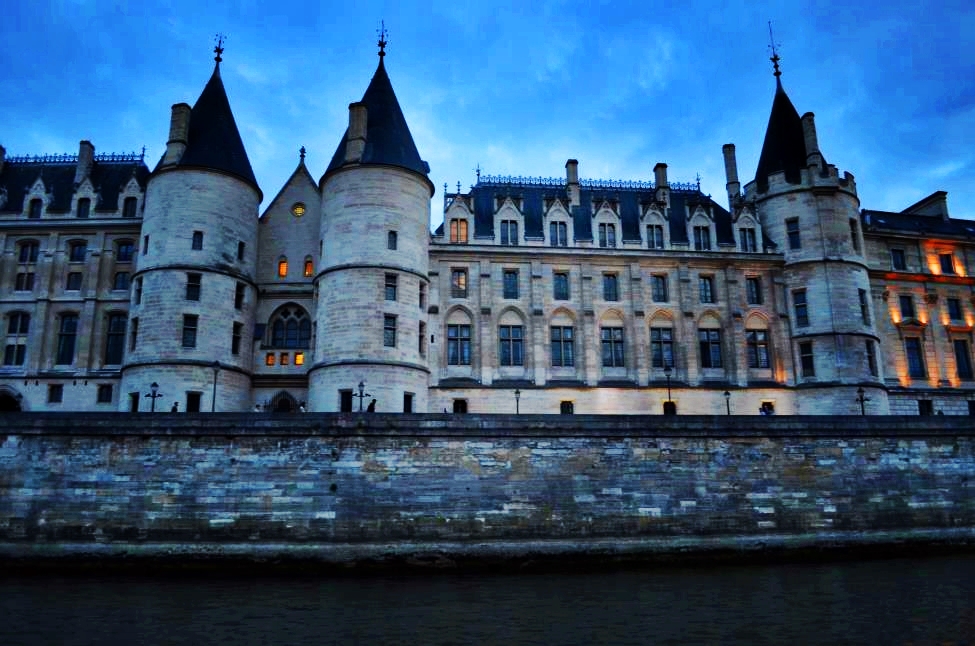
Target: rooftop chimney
660, 175
86, 159
813, 156
731, 174
356, 142
572, 180
179, 127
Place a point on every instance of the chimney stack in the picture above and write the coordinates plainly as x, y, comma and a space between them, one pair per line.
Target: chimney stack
356, 143
572, 180
733, 186
179, 127
86, 159
813, 156
660, 175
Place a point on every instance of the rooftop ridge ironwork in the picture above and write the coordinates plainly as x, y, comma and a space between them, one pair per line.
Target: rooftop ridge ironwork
70, 158
559, 183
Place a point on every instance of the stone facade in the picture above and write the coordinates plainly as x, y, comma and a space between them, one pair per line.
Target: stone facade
541, 295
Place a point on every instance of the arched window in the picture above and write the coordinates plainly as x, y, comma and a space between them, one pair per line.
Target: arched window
283, 267
309, 268
290, 328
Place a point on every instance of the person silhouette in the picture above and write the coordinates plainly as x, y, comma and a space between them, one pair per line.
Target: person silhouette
372, 407
175, 408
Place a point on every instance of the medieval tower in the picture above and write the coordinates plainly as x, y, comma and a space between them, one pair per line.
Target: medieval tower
372, 283
193, 294
811, 215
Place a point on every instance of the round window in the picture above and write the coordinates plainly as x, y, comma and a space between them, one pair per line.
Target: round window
298, 209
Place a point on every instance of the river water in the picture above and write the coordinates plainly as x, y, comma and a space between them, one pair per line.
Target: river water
900, 601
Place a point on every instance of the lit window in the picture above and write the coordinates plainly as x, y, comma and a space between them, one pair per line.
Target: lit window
709, 344
115, 339
510, 283
84, 207
702, 238
558, 234
284, 359
299, 358
458, 283
611, 340
509, 232
458, 231
806, 359
197, 240
298, 209
563, 346
309, 269
190, 323
510, 350
282, 267
459, 345
269, 359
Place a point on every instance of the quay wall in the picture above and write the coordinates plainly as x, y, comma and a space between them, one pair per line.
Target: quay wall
343, 488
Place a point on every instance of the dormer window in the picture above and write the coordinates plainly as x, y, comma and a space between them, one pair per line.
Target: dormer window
702, 238
746, 238
558, 233
129, 207
509, 233
84, 207
458, 231
655, 236
607, 235
34, 212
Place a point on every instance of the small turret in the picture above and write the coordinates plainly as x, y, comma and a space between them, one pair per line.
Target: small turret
355, 144
813, 156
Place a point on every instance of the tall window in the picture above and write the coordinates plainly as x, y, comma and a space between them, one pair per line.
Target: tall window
145, 245
871, 357
705, 288
282, 267
897, 260
24, 281
458, 230
84, 206
458, 283
197, 240
662, 347
77, 251
459, 345
655, 236
391, 283
55, 393
746, 239
389, 330
801, 307
193, 284
236, 333
560, 286
73, 284
309, 268
963, 358
421, 345
67, 334
124, 251
807, 361
611, 289
864, 306
27, 251
239, 292
607, 235
134, 333
34, 212
423, 296
947, 261
510, 283
954, 309
792, 232
18, 324
511, 352
290, 328
907, 306
915, 357
753, 290
658, 285
757, 347
241, 246
855, 235
611, 339
509, 232
129, 207
558, 234
709, 343
392, 240
702, 238
190, 323
563, 350
115, 339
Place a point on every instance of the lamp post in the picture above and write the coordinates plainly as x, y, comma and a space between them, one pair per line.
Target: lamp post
669, 407
517, 400
213, 399
362, 394
727, 401
861, 399
153, 394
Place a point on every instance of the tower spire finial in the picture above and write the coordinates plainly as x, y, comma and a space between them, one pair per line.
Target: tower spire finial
382, 39
302, 153
218, 50
775, 54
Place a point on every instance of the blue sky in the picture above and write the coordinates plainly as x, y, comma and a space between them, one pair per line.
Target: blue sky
517, 90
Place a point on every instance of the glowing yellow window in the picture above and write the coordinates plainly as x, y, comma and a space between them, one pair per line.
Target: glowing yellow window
458, 231
284, 359
269, 359
309, 267
282, 267
299, 358
298, 209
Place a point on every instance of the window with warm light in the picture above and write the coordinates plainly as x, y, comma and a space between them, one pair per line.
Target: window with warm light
458, 231
298, 209
282, 267
269, 359
309, 268
299, 358
284, 359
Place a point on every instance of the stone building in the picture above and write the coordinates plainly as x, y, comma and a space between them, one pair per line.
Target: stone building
130, 290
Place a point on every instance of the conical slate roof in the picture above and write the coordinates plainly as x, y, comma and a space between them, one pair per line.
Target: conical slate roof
785, 147
213, 139
388, 138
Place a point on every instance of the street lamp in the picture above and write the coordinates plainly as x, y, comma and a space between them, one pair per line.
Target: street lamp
860, 399
727, 401
362, 394
213, 399
517, 400
669, 408
153, 394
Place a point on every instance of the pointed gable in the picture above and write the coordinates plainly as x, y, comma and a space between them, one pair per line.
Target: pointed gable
388, 138
784, 149
213, 140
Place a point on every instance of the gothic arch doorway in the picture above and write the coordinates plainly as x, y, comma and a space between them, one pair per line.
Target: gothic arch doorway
284, 403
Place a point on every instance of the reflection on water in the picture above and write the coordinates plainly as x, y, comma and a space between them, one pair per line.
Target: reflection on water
903, 601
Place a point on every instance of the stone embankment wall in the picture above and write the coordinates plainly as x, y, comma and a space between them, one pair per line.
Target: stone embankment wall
307, 483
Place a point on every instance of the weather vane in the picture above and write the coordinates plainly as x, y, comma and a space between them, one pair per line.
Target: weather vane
382, 38
218, 50
775, 54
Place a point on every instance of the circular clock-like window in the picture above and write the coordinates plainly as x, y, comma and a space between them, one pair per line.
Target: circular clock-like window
298, 209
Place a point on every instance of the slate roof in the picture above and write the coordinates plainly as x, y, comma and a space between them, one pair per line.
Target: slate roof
631, 202
388, 138
914, 224
213, 139
107, 177
785, 147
